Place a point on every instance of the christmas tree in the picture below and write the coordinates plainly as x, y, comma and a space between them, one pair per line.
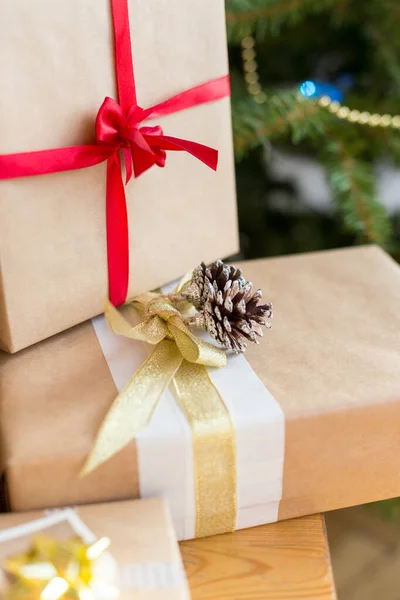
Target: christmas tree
315, 90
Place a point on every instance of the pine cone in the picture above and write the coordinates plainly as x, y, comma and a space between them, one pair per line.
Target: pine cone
228, 308
198, 291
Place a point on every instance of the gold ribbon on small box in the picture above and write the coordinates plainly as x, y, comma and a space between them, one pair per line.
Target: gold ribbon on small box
180, 358
59, 570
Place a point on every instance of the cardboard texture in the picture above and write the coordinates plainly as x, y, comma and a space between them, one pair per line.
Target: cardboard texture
53, 266
141, 533
331, 360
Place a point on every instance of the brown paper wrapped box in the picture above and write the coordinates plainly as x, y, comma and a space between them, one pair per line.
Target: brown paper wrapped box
57, 68
328, 438
142, 539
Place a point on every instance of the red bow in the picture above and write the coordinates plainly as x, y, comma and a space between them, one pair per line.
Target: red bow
142, 147
119, 130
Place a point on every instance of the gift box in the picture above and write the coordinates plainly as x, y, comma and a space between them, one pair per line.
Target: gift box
313, 410
140, 559
59, 66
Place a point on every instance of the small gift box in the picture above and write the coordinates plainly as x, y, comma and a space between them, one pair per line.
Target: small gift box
112, 551
304, 422
63, 211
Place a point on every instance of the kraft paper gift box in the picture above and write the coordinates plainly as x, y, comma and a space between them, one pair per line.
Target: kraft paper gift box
142, 560
57, 68
315, 406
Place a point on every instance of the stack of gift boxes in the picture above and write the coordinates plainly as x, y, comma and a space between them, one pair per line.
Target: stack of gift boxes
312, 411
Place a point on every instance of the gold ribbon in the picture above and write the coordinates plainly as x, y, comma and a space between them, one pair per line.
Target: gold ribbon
52, 569
181, 358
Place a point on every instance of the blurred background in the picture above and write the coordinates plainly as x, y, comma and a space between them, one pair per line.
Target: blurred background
316, 119
316, 87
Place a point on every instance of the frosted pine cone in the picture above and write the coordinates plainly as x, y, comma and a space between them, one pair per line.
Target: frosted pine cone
228, 307
218, 272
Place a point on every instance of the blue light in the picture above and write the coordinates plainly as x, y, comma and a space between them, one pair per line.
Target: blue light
308, 89
316, 89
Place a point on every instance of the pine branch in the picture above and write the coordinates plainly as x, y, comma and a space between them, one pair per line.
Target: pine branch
347, 150
353, 184
282, 115
387, 52
287, 114
266, 17
393, 146
276, 9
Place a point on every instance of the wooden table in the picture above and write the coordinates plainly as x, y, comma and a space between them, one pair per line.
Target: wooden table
286, 561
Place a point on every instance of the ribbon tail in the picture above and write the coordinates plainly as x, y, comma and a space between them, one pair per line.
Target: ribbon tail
128, 165
207, 155
117, 232
134, 406
214, 449
142, 156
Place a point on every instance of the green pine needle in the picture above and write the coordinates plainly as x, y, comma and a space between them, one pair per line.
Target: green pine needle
267, 17
353, 185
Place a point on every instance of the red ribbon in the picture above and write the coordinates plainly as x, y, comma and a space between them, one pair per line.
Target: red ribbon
119, 131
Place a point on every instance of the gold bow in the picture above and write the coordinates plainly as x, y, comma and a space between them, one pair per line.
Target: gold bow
181, 358
53, 569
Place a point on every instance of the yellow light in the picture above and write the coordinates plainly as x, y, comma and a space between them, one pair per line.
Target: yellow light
250, 66
343, 112
364, 117
334, 106
96, 549
251, 77
248, 53
324, 101
385, 120
254, 88
354, 116
396, 121
374, 120
260, 98
54, 589
248, 42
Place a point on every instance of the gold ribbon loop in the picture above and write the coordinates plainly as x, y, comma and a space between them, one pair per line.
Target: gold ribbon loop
151, 330
162, 307
194, 349
182, 357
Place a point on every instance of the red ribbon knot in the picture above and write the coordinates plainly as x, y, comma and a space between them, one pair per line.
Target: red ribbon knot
142, 147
